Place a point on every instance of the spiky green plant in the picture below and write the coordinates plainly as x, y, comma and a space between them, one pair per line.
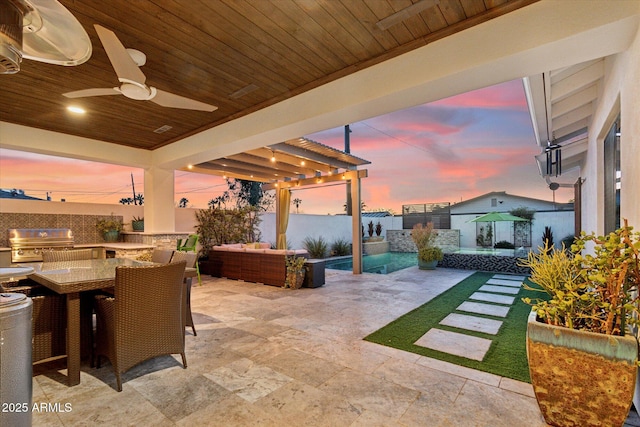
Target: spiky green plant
317, 247
341, 247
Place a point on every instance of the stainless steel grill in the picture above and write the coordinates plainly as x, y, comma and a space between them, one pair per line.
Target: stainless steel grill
27, 244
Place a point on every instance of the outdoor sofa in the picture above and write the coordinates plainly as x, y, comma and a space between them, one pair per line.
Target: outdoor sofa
252, 262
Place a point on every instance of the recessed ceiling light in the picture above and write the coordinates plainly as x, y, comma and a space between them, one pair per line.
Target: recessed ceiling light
76, 110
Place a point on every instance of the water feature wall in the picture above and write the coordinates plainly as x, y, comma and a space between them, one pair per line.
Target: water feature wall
496, 263
400, 240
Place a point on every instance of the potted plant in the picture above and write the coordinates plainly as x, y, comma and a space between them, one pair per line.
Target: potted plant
428, 253
295, 271
582, 352
378, 229
137, 223
370, 229
110, 228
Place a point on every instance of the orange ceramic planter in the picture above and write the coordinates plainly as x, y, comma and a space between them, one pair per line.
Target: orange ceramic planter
580, 378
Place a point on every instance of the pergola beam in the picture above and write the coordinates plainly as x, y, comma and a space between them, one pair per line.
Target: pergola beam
250, 169
279, 164
320, 158
342, 176
230, 173
266, 153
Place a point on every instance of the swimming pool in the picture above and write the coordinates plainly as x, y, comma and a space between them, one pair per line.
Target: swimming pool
381, 264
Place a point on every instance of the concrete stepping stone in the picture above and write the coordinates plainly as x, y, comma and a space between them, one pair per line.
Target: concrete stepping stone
500, 289
455, 343
509, 277
487, 297
502, 282
472, 323
486, 309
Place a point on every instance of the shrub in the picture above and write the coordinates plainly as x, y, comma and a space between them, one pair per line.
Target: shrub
341, 247
423, 236
378, 229
523, 212
218, 226
485, 239
547, 239
317, 247
370, 228
567, 241
430, 253
503, 244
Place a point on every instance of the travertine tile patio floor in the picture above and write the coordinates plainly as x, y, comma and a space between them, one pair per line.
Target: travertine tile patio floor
267, 356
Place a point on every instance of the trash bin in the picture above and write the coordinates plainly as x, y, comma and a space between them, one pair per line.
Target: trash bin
15, 360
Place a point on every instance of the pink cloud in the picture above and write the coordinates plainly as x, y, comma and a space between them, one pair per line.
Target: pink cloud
505, 96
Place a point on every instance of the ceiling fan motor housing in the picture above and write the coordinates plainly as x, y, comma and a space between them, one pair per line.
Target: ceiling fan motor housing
137, 91
11, 15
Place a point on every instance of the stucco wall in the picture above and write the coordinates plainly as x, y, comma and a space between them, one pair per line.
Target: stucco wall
561, 223
620, 94
400, 240
81, 218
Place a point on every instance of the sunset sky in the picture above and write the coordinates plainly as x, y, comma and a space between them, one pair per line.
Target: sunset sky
446, 151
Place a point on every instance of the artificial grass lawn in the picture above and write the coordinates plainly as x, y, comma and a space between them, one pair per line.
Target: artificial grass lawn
507, 355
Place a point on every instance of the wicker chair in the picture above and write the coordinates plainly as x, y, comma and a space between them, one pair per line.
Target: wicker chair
190, 246
190, 258
145, 319
162, 256
49, 314
70, 255
86, 298
48, 327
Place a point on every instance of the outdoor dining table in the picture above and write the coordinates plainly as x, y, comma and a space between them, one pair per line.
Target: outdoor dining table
71, 278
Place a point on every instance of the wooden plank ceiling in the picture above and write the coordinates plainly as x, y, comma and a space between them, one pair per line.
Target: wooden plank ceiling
239, 55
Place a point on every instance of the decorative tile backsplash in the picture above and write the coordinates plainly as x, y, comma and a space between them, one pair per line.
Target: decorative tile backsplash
82, 226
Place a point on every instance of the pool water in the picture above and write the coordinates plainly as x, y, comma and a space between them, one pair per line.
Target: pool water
381, 264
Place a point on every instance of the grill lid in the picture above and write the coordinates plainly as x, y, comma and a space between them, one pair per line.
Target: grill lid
40, 237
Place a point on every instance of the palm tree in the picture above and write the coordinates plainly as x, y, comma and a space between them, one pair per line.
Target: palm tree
297, 202
362, 206
183, 202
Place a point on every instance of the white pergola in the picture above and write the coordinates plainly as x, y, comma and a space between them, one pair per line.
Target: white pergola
293, 164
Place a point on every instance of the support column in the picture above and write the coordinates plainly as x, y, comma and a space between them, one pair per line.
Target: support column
159, 208
278, 213
356, 221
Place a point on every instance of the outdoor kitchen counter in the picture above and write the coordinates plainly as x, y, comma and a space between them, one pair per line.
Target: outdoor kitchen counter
5, 257
115, 246
117, 249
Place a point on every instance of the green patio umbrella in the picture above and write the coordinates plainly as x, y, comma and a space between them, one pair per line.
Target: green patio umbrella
497, 217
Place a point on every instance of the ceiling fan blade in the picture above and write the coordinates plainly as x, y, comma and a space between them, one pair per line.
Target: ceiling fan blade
92, 92
124, 66
167, 99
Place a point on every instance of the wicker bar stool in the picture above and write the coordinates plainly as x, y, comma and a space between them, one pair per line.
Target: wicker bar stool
191, 246
70, 255
190, 258
144, 320
86, 299
49, 319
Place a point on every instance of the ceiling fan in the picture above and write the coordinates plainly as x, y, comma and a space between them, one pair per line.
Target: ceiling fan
126, 63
